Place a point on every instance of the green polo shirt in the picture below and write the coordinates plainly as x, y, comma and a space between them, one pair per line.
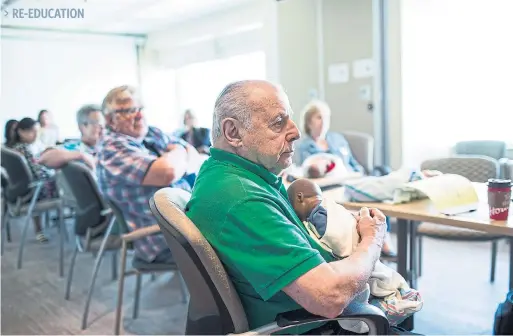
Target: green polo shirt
243, 211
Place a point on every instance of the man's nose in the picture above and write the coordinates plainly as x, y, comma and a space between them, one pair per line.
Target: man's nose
293, 133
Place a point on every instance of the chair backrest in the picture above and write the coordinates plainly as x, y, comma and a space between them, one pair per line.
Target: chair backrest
494, 149
214, 306
18, 173
474, 168
362, 147
120, 217
90, 204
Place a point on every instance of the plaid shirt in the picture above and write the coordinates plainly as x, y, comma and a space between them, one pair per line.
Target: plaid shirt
122, 165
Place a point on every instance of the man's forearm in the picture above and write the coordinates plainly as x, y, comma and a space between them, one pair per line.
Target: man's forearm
56, 158
355, 270
178, 159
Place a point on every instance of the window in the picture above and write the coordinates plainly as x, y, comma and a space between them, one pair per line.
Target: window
198, 85
456, 73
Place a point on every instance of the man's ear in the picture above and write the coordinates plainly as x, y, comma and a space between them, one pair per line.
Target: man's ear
300, 197
230, 128
109, 121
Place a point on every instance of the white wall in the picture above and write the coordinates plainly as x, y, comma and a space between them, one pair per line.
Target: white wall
60, 73
188, 64
456, 74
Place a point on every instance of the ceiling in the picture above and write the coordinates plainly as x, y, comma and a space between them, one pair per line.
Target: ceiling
113, 16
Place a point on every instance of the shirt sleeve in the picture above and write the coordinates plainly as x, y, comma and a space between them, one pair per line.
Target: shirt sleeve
126, 163
263, 246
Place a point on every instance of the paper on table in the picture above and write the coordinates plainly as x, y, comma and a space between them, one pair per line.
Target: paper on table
451, 194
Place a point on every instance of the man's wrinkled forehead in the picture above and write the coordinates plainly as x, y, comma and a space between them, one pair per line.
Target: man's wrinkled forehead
274, 100
125, 98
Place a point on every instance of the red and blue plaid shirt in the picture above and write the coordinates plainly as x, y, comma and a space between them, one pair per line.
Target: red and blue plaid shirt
122, 165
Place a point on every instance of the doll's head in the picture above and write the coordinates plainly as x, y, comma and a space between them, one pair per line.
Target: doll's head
305, 196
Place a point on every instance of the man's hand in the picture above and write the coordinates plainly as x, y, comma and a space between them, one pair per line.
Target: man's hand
371, 224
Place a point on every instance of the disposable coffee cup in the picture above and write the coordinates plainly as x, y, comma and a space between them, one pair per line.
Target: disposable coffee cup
499, 198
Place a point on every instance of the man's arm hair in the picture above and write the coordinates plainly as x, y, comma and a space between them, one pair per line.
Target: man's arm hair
327, 289
167, 169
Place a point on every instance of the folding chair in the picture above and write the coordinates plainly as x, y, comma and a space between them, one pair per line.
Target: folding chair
21, 195
214, 305
139, 266
100, 228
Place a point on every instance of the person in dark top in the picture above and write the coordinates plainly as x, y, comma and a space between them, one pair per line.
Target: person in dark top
10, 132
198, 137
26, 136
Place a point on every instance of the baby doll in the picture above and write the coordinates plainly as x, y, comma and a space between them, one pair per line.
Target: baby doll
334, 227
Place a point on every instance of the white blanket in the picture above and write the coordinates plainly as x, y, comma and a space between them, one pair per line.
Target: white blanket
341, 238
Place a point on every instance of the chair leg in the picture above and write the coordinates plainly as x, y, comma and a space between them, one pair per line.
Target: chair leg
5, 232
62, 230
121, 284
28, 219
114, 265
183, 287
93, 280
70, 273
46, 219
494, 260
420, 255
138, 280
23, 238
8, 228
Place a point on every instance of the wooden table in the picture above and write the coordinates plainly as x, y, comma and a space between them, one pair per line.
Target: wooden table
409, 213
424, 211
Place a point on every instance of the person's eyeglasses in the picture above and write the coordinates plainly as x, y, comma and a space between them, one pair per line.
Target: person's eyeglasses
94, 123
128, 110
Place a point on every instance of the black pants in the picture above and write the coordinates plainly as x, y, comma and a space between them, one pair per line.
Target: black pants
333, 328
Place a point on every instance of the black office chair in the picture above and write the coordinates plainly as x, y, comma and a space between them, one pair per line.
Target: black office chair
21, 193
214, 305
100, 227
95, 228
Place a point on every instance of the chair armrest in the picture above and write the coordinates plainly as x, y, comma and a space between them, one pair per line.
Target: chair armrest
375, 319
141, 233
381, 171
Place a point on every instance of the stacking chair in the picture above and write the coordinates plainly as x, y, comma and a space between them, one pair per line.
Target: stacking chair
476, 169
214, 306
495, 149
362, 147
21, 195
139, 266
100, 227
95, 226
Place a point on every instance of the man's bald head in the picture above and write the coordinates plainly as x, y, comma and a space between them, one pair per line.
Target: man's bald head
241, 100
252, 119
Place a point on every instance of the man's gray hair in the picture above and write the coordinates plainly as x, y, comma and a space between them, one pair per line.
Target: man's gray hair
84, 112
234, 102
113, 94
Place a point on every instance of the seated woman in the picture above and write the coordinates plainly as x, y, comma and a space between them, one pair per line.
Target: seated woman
318, 138
198, 137
10, 133
26, 136
48, 134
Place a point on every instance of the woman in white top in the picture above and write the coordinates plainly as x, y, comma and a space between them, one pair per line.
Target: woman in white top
48, 132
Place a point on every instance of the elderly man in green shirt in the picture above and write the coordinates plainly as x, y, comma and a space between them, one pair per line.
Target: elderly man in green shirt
241, 206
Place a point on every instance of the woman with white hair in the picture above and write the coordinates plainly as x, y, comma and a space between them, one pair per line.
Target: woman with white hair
318, 139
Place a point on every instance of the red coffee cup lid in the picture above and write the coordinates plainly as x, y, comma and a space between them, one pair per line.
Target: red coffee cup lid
499, 183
